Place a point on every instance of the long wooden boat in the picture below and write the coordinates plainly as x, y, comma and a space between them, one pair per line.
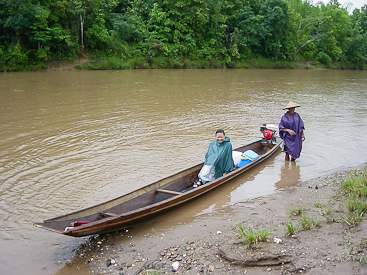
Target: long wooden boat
134, 207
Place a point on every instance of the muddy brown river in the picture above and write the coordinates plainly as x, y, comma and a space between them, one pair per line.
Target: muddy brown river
72, 139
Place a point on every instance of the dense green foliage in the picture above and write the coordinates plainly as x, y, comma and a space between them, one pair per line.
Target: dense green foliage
179, 33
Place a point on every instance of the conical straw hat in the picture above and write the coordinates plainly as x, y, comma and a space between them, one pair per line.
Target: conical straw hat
291, 104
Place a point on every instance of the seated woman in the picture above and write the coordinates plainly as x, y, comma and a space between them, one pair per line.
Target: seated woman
218, 159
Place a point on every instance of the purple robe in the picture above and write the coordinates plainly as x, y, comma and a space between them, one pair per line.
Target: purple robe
293, 143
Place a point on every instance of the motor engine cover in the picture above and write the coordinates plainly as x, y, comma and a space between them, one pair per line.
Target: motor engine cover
268, 134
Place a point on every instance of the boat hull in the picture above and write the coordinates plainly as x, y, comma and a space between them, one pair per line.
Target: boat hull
146, 202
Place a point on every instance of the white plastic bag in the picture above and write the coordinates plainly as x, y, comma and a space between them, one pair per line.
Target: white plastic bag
207, 173
236, 155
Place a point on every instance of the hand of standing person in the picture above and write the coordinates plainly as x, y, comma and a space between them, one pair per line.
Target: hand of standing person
289, 131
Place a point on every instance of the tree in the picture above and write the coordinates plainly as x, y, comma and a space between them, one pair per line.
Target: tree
94, 11
276, 21
306, 20
29, 26
357, 52
181, 23
337, 32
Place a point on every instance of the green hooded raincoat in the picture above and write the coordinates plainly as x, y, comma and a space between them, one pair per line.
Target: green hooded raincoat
218, 160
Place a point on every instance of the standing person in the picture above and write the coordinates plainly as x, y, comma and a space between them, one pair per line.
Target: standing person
218, 159
291, 130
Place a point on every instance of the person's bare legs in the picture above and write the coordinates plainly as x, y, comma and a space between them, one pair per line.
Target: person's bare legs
287, 157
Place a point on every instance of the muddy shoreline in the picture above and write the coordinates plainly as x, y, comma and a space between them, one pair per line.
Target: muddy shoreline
212, 246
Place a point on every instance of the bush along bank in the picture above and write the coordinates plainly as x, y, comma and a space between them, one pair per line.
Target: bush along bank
167, 63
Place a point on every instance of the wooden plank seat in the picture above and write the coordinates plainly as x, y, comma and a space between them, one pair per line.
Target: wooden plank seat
168, 192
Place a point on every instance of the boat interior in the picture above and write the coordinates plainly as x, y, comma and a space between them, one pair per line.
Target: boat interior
145, 197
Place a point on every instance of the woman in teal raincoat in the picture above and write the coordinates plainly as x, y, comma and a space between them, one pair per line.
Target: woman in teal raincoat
218, 159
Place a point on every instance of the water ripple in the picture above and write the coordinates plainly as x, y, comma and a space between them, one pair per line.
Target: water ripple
103, 134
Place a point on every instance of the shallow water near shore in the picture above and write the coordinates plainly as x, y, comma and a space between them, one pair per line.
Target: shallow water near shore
70, 140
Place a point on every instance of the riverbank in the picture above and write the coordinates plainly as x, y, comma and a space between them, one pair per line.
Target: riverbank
329, 246
87, 63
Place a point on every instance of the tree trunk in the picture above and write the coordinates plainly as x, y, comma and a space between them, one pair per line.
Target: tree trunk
315, 37
82, 31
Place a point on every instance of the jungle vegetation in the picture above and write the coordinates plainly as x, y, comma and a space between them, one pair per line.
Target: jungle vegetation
118, 34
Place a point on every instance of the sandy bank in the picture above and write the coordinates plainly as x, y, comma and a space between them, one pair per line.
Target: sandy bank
213, 247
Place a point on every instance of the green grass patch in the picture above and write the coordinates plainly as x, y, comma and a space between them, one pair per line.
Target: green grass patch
284, 65
296, 211
327, 213
250, 236
353, 218
356, 204
263, 63
356, 251
291, 229
111, 63
363, 243
152, 272
243, 65
166, 62
359, 258
355, 186
308, 223
318, 205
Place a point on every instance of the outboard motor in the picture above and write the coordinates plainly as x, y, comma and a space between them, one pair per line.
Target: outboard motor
269, 133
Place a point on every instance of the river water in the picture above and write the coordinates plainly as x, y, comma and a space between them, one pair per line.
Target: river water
72, 139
